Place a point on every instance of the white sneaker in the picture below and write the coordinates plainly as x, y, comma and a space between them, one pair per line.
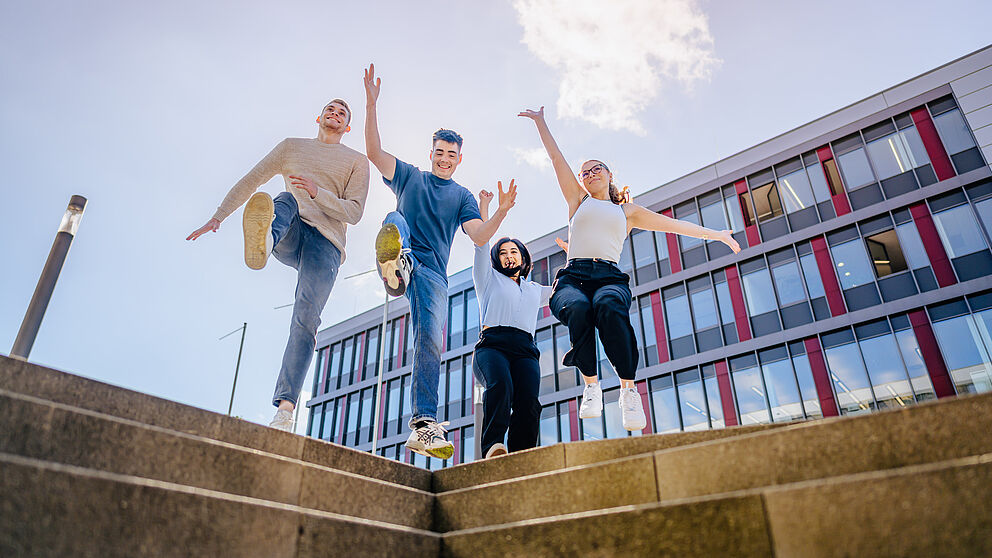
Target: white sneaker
592, 401
391, 259
429, 440
496, 450
283, 420
631, 410
257, 225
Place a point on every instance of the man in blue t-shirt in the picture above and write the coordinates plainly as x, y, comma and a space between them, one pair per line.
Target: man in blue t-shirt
412, 253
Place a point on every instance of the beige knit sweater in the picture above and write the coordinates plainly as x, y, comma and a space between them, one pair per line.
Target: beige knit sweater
340, 173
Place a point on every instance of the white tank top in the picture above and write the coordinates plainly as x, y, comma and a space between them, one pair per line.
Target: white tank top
597, 230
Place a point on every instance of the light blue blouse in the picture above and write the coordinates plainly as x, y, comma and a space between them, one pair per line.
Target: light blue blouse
502, 301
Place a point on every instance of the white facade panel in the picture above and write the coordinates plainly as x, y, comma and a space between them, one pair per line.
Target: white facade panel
976, 99
979, 118
678, 186
984, 137
972, 82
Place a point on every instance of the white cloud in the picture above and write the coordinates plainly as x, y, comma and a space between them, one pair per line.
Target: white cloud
615, 57
537, 157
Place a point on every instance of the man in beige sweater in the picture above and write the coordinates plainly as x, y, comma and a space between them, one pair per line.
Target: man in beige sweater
304, 227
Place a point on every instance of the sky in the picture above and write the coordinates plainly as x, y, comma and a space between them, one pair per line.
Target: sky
153, 110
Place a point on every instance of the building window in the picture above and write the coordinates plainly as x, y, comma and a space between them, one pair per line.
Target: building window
796, 191
645, 260
713, 399
912, 357
706, 320
733, 207
780, 382
767, 205
393, 392
804, 374
371, 353
679, 321
897, 153
549, 426
611, 415
333, 367
959, 231
853, 268
650, 337
727, 319
471, 316
884, 365
958, 141
546, 344
964, 342
855, 168
664, 407
568, 376
692, 400
885, 253
847, 372
750, 390
348, 361
468, 444
760, 297
456, 321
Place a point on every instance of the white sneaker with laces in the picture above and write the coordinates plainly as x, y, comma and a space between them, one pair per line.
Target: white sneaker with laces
392, 260
592, 401
496, 450
631, 409
283, 420
429, 440
257, 225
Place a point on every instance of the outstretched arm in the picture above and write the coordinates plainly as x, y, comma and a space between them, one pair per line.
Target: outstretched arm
641, 218
383, 161
570, 187
481, 231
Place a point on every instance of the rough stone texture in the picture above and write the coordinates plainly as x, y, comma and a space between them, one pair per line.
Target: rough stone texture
728, 526
365, 464
321, 537
356, 496
929, 510
517, 464
597, 451
824, 448
591, 487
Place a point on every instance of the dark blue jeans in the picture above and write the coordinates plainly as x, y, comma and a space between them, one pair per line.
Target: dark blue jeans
316, 261
506, 362
590, 295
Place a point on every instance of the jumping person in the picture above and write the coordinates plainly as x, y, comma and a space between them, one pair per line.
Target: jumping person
591, 292
304, 228
506, 358
412, 251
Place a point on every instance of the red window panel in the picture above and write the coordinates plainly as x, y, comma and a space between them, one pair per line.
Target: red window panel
825, 265
939, 261
737, 300
674, 255
573, 419
931, 141
821, 377
659, 327
342, 404
750, 226
456, 441
930, 351
838, 195
382, 412
726, 393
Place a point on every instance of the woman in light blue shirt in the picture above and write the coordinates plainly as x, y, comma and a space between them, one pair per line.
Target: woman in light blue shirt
506, 357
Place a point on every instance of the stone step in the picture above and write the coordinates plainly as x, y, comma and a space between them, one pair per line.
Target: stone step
59, 433
61, 387
937, 509
813, 450
59, 510
561, 456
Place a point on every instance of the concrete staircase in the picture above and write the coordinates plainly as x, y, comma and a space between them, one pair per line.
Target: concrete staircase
89, 469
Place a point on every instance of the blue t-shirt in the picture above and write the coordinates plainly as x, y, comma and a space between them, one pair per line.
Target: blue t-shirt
433, 208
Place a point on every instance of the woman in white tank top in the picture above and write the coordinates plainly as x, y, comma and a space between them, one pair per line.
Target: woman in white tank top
591, 293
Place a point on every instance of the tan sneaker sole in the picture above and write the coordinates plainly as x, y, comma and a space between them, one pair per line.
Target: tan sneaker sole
257, 225
387, 252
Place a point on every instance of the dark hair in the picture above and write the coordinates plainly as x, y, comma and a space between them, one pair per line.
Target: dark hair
617, 196
449, 136
524, 255
344, 104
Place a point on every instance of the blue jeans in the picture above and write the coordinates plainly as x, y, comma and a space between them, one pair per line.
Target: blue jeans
316, 260
428, 296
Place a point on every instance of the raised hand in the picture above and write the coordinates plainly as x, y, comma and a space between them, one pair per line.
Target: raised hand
211, 226
726, 238
485, 197
534, 115
561, 244
305, 184
507, 198
372, 85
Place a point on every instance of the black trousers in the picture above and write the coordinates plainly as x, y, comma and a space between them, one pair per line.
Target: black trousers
593, 295
506, 363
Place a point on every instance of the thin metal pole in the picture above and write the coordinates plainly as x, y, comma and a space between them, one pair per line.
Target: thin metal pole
382, 366
49, 275
237, 366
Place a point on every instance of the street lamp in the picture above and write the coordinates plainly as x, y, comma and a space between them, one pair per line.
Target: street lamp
49, 275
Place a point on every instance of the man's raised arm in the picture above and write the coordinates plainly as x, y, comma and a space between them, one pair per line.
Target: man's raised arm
383, 161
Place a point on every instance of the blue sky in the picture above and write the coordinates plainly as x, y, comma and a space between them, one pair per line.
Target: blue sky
153, 110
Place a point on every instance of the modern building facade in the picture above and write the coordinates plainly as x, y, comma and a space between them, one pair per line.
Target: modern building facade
865, 283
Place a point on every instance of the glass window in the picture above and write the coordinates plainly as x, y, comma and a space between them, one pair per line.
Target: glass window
783, 391
954, 133
468, 444
733, 209
912, 246
472, 316
692, 401
807, 387
567, 375
393, 403
966, 355
352, 424
347, 362
852, 264
611, 412
664, 408
704, 310
442, 392
811, 271
714, 401
406, 402
817, 179
850, 379
677, 316
886, 254
661, 245
789, 283
643, 242
854, 166
714, 216
329, 423
564, 422
958, 231
593, 428
796, 191
726, 305
371, 352
984, 210
751, 400
758, 292
887, 374
456, 321
650, 337
545, 344
455, 389
767, 205
897, 153
549, 426
334, 367
912, 357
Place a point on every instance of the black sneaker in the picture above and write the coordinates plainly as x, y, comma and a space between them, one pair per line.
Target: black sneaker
392, 262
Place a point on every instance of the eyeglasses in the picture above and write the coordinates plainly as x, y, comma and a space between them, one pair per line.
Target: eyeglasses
596, 169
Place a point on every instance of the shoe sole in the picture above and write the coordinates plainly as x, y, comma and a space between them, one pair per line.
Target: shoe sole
595, 414
387, 255
444, 452
257, 223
